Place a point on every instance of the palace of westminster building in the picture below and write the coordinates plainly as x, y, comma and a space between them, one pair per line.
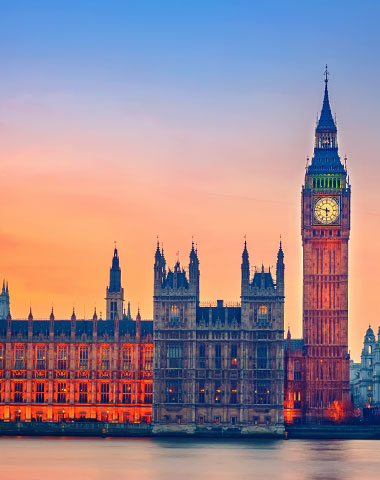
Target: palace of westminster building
197, 367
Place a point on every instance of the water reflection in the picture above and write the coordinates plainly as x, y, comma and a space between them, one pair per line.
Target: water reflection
173, 459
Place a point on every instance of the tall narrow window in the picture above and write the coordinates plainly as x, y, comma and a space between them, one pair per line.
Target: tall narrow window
218, 393
218, 356
113, 310
234, 355
104, 392
148, 358
19, 392
262, 315
1, 357
148, 393
174, 316
127, 358
105, 358
234, 394
83, 395
83, 357
297, 370
127, 393
40, 361
40, 392
19, 357
202, 355
201, 393
61, 392
262, 356
62, 357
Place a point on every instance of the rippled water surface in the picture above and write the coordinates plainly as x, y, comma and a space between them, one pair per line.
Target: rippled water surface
168, 459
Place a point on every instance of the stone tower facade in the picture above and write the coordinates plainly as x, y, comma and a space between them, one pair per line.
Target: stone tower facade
325, 233
4, 301
114, 292
262, 342
175, 302
217, 367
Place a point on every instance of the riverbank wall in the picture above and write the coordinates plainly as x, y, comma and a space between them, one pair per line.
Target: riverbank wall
102, 429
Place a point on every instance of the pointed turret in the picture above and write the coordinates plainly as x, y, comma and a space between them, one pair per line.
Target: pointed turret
51, 323
95, 325
115, 274
245, 269
326, 121
9, 325
114, 292
73, 325
194, 271
138, 324
280, 270
326, 160
4, 301
159, 269
30, 323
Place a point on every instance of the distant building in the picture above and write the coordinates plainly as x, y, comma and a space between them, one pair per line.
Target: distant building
365, 376
218, 366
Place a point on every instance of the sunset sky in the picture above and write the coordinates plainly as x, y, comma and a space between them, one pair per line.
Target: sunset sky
124, 120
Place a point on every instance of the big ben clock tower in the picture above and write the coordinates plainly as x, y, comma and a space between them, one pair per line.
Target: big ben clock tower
325, 234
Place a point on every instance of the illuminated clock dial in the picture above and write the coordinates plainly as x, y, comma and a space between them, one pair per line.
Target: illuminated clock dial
326, 210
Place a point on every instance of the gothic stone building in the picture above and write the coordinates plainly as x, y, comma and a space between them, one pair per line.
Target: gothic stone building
317, 368
67, 370
218, 367
365, 376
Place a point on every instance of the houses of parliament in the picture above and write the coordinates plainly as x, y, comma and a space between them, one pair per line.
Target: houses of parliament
192, 367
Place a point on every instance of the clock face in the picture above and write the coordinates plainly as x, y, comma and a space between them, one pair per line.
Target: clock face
326, 210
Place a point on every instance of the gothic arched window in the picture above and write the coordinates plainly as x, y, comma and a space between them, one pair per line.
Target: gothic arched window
174, 316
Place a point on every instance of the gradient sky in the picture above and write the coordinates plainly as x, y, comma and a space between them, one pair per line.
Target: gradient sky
121, 120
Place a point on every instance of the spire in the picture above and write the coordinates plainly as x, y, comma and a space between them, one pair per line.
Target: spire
73, 316
3, 291
326, 121
95, 316
129, 311
52, 314
138, 317
280, 253
245, 255
30, 317
158, 253
193, 254
115, 274
7, 290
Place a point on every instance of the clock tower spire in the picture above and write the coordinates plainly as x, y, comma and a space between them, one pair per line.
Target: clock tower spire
325, 233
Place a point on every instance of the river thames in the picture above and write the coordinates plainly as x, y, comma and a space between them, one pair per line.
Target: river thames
169, 459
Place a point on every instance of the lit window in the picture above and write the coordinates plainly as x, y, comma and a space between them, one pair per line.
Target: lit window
62, 357
127, 358
19, 357
40, 357
83, 357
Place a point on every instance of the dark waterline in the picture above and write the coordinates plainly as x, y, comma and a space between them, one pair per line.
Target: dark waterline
171, 459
